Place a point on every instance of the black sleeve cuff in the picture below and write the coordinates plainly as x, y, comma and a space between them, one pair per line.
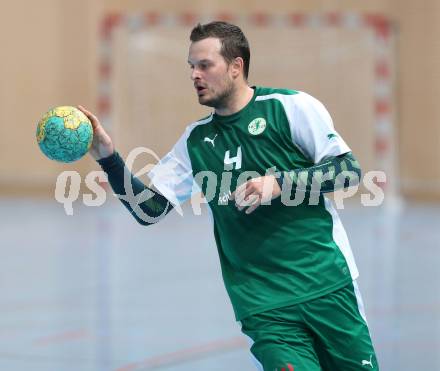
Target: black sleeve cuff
112, 161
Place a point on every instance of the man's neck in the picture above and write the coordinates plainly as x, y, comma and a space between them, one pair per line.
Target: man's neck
238, 100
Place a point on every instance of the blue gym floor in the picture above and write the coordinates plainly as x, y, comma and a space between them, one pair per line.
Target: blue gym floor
96, 291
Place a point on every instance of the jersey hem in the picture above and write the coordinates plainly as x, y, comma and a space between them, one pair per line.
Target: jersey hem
288, 303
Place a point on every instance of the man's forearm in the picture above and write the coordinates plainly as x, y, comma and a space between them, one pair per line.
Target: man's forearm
327, 176
155, 204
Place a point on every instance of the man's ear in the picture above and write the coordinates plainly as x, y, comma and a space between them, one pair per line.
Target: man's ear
237, 66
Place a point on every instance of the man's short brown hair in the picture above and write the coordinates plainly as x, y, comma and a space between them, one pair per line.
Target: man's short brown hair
233, 41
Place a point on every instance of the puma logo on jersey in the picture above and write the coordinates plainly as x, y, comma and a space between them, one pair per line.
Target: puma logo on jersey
368, 363
210, 140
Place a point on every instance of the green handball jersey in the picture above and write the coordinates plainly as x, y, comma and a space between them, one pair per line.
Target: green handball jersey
280, 254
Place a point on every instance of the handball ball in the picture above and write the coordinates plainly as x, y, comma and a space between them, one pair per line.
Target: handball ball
64, 134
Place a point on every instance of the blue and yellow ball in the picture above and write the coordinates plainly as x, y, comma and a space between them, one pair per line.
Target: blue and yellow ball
64, 134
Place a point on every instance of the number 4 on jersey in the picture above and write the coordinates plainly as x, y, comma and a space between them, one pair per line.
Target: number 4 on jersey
229, 162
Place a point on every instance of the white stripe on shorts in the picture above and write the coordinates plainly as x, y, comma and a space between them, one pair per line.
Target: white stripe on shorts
360, 302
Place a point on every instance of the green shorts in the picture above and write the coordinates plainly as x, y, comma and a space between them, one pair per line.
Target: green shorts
329, 333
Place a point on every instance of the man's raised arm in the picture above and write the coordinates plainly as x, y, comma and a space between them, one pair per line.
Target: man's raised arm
145, 204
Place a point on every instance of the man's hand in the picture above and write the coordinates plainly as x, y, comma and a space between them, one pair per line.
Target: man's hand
102, 145
255, 192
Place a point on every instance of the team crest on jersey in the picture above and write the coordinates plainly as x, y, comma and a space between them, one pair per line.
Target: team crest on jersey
257, 126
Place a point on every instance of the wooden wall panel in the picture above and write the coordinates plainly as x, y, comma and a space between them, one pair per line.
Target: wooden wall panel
154, 98
44, 63
418, 92
51, 59
245, 6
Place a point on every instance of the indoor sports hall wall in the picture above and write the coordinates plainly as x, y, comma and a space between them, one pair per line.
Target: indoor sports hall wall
53, 58
44, 62
151, 97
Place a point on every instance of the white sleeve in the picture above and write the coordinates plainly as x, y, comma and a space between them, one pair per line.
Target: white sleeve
172, 176
312, 129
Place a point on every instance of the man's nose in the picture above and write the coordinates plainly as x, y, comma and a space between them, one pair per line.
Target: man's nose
195, 74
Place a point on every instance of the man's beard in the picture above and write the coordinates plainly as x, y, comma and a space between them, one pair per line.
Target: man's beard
222, 99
